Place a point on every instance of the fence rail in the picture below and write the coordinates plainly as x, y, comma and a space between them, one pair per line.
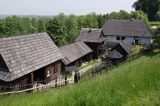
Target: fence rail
38, 88
103, 67
106, 66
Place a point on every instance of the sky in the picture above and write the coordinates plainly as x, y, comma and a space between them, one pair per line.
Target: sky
54, 7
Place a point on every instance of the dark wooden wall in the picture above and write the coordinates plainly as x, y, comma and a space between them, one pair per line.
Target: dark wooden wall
53, 71
18, 84
2, 63
97, 49
121, 50
43, 75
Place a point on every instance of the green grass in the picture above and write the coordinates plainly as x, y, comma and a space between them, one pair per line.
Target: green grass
130, 84
92, 62
154, 23
137, 49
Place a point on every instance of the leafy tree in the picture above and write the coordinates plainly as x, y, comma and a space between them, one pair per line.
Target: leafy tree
56, 30
139, 15
124, 15
41, 25
157, 36
101, 20
81, 22
114, 15
158, 16
72, 28
150, 7
91, 21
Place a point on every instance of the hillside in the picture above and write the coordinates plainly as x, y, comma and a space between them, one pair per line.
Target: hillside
134, 83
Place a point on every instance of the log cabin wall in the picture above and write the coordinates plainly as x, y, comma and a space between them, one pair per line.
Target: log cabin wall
18, 84
101, 49
98, 49
22, 83
53, 71
94, 47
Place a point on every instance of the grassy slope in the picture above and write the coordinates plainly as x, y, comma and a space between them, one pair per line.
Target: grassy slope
133, 83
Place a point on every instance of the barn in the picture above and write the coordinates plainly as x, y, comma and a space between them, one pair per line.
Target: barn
124, 48
134, 31
94, 38
75, 54
28, 58
119, 52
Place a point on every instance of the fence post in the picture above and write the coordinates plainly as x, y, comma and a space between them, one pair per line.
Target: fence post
65, 80
56, 82
92, 73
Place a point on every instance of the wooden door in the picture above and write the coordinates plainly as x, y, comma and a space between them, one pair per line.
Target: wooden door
57, 70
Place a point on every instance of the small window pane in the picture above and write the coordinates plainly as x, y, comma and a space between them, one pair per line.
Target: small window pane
118, 38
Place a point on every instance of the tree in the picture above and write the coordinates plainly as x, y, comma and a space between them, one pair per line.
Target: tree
41, 25
56, 30
124, 15
101, 20
81, 21
114, 15
158, 16
139, 15
91, 21
150, 7
157, 37
72, 28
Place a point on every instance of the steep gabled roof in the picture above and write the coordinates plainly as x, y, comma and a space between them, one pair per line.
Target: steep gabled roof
126, 28
114, 54
74, 51
126, 46
90, 35
27, 53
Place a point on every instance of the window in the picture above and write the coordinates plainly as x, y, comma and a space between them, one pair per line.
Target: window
122, 38
118, 38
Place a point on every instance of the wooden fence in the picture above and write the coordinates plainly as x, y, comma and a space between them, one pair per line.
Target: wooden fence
106, 66
98, 69
38, 86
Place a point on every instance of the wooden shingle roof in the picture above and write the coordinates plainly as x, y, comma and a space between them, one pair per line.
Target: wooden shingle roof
91, 35
74, 51
114, 54
126, 46
126, 28
27, 53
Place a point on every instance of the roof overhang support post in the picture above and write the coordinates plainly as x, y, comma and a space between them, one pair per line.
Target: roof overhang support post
32, 78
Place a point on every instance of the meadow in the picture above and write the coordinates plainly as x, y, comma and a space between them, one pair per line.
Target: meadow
134, 83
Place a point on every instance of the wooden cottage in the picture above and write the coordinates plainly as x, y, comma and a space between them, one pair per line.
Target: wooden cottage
134, 31
94, 38
27, 59
75, 54
124, 48
114, 55
119, 52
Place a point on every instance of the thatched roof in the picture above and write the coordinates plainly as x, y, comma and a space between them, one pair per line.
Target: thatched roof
74, 51
114, 55
126, 28
91, 35
27, 53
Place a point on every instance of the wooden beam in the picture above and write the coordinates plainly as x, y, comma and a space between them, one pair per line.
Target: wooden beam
32, 78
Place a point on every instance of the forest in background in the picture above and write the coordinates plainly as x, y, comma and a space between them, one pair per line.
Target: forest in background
62, 28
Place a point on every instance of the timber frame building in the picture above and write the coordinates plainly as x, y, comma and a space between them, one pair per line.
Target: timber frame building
133, 31
75, 54
28, 58
93, 38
